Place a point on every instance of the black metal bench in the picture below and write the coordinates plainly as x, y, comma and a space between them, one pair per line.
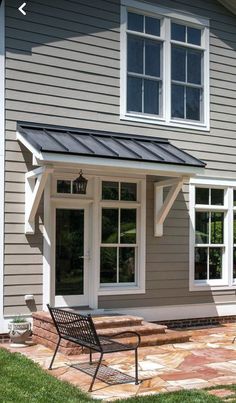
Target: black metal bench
80, 329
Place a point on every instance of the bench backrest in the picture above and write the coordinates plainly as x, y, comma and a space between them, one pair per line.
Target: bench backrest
72, 325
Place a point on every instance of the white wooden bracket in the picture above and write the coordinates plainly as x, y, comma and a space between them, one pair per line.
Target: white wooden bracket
35, 182
161, 206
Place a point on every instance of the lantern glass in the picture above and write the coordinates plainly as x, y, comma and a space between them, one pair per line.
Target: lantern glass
80, 184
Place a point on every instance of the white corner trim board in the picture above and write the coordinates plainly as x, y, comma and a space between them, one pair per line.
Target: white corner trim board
2, 152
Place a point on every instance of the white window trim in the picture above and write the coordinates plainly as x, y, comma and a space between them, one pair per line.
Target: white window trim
181, 17
2, 155
139, 287
227, 282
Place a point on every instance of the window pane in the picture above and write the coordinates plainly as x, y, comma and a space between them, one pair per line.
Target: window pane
202, 196
128, 191
217, 227
202, 227
135, 54
234, 228
234, 264
215, 263
152, 26
193, 103
177, 101
110, 190
194, 61
194, 36
151, 97
134, 95
152, 58
126, 265
63, 186
135, 22
128, 226
109, 225
217, 197
178, 63
200, 263
108, 265
178, 32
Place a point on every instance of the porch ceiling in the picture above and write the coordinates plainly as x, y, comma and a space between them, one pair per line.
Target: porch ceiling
51, 141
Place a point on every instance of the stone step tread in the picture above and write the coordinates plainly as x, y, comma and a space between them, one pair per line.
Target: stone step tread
158, 339
101, 322
104, 322
145, 328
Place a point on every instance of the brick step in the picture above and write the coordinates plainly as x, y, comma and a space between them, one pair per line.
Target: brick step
108, 322
158, 339
44, 320
144, 329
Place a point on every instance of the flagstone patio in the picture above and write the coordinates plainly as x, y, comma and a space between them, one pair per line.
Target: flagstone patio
209, 359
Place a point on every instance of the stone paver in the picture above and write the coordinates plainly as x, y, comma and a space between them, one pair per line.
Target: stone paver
209, 359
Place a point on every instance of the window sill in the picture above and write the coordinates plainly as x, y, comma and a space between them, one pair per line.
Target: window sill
121, 290
160, 121
212, 287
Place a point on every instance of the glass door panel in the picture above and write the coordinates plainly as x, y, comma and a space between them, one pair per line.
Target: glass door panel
69, 252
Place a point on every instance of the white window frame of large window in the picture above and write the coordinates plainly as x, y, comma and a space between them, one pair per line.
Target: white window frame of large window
140, 205
229, 186
166, 15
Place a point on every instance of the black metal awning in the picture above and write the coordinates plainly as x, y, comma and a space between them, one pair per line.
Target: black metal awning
88, 143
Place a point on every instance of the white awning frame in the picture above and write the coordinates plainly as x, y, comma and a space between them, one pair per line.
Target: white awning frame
35, 182
161, 206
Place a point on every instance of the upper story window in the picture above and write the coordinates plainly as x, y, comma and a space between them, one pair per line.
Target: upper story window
164, 66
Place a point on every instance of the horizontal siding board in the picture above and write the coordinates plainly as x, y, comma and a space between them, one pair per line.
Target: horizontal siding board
21, 309
60, 83
35, 101
22, 249
12, 301
23, 269
22, 289
23, 239
70, 29
22, 279
99, 47
90, 66
23, 259
48, 13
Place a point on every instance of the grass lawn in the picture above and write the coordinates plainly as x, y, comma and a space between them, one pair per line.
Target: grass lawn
23, 381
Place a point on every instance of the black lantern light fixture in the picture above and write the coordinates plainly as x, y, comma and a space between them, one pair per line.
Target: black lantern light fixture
80, 184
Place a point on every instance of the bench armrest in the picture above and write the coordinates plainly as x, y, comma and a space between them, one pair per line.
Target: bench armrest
132, 333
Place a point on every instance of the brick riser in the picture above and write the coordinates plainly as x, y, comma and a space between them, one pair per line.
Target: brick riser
44, 332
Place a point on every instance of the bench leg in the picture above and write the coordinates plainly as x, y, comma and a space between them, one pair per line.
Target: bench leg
96, 371
234, 339
90, 357
55, 352
136, 366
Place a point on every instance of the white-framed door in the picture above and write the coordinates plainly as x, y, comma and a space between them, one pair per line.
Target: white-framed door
70, 253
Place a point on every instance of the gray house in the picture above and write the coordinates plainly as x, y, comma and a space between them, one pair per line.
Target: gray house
117, 157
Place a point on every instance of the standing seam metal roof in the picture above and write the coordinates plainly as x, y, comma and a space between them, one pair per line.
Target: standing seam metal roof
122, 146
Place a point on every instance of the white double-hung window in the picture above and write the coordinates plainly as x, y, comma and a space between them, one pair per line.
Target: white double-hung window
212, 234
164, 66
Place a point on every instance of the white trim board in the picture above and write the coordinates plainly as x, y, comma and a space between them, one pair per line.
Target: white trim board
2, 152
192, 311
